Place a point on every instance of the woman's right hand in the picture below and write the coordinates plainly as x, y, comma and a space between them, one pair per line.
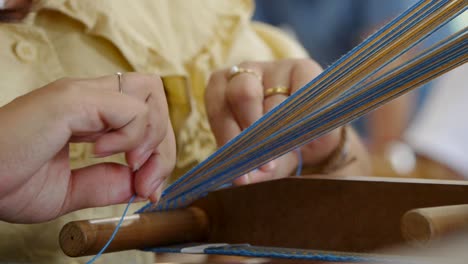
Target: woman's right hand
36, 182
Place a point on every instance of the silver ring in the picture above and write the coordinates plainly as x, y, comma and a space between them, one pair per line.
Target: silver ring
119, 77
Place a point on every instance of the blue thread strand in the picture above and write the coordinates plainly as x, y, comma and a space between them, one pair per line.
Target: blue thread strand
114, 233
299, 162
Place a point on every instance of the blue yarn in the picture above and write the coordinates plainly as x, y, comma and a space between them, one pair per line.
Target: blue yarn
299, 162
114, 233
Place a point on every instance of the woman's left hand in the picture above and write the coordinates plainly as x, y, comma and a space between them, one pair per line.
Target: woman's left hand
236, 99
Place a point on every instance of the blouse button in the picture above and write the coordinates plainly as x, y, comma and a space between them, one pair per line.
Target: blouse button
25, 51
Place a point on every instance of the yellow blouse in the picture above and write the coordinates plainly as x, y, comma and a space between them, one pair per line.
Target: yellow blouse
182, 41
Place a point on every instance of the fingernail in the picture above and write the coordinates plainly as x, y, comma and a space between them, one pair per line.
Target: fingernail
156, 195
143, 158
140, 199
269, 166
154, 185
154, 198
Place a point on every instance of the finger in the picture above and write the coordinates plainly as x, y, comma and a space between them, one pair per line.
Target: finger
276, 75
157, 168
318, 150
242, 180
124, 138
144, 87
100, 111
244, 94
98, 185
278, 168
156, 131
137, 85
151, 175
137, 157
149, 89
266, 169
303, 72
154, 197
97, 97
86, 138
222, 121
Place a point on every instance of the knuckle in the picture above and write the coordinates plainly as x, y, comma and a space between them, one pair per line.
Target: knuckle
168, 154
68, 85
215, 78
68, 90
155, 80
145, 81
214, 93
171, 141
214, 83
212, 106
64, 81
171, 163
307, 63
145, 111
244, 94
212, 112
249, 64
160, 129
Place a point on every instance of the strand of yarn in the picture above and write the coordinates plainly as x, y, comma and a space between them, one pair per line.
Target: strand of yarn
113, 233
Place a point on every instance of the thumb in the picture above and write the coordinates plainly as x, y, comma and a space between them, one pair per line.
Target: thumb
98, 185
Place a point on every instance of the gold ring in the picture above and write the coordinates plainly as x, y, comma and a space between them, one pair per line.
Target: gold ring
119, 77
276, 90
236, 70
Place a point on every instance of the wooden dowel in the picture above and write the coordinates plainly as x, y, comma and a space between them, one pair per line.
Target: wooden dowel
426, 224
87, 237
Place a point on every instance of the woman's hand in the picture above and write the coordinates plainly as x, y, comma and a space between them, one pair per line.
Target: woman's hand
235, 100
37, 183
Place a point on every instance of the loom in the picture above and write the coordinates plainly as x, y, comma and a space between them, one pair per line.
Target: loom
357, 214
311, 218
